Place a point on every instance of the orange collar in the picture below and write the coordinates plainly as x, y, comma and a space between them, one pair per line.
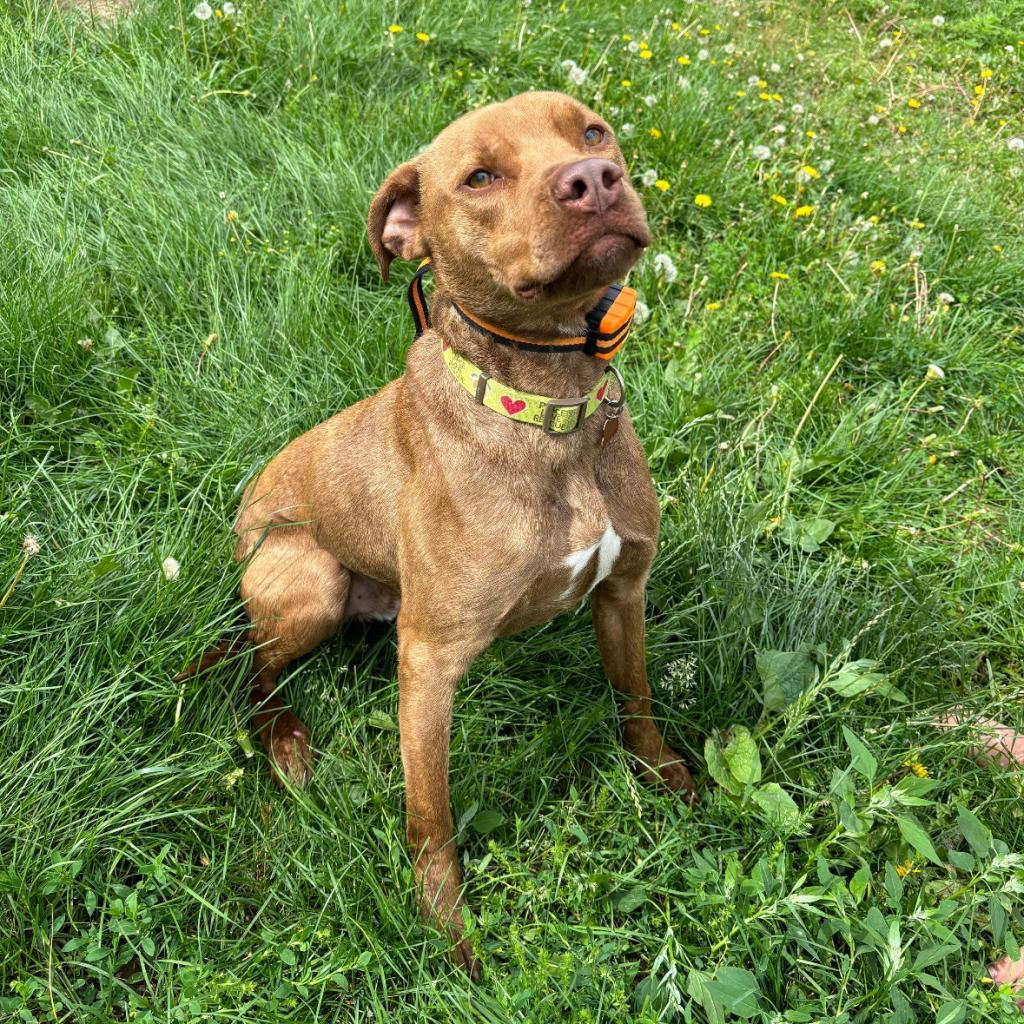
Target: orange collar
608, 322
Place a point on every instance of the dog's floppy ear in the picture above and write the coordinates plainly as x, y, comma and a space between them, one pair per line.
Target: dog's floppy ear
394, 221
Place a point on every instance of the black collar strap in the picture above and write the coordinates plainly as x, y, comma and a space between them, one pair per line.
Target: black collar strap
608, 322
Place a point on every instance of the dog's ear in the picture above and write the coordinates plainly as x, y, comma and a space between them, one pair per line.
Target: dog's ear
394, 221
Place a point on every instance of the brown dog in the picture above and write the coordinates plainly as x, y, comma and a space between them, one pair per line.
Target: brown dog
425, 502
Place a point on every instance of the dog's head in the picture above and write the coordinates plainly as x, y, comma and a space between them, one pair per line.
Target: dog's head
522, 206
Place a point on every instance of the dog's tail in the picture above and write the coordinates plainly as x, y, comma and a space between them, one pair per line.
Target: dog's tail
222, 650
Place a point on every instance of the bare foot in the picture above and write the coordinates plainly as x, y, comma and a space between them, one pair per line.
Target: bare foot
996, 743
290, 749
1009, 972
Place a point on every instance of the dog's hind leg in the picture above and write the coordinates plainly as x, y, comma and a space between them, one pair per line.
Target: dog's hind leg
295, 594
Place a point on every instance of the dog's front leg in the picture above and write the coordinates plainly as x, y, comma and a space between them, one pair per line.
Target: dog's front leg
428, 674
618, 607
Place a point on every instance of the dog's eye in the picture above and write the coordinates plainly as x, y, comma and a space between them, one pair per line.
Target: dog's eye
593, 136
480, 179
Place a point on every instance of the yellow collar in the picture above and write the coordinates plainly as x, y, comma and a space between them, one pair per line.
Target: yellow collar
552, 415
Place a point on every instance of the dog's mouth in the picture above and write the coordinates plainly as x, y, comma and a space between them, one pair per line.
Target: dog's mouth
599, 261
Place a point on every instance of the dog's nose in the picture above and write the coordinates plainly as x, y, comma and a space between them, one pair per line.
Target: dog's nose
590, 186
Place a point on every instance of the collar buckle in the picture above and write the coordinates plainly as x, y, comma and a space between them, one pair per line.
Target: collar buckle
554, 405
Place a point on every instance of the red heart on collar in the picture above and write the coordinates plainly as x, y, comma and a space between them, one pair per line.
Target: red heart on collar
512, 407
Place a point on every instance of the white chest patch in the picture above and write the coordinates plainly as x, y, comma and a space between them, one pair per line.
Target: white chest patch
606, 549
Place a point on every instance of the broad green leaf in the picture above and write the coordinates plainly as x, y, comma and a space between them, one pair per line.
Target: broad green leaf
633, 897
806, 534
381, 720
717, 768
952, 1012
864, 761
961, 860
778, 805
737, 990
742, 757
487, 820
931, 955
976, 834
697, 989
860, 882
855, 678
784, 676
918, 838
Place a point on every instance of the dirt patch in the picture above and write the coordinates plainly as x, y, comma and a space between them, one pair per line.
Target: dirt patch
102, 10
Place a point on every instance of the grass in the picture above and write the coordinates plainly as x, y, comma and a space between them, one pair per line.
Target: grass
185, 286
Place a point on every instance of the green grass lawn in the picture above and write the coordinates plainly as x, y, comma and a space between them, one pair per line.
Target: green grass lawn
185, 285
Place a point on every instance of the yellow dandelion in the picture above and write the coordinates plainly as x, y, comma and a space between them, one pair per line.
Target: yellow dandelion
627, 39
781, 200
906, 868
913, 104
395, 29
811, 172
902, 129
684, 60
779, 275
655, 133
741, 92
713, 305
763, 96
811, 135
986, 73
662, 185
979, 90
878, 266
231, 216
702, 200
626, 83
803, 211
423, 37
645, 54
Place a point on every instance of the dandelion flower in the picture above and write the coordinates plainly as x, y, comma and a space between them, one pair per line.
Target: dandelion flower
938, 21
229, 9
702, 200
665, 268
779, 275
662, 185
873, 119
934, 372
574, 72
986, 73
423, 37
914, 104
634, 46
203, 11
809, 171
781, 200
803, 211
703, 55
761, 152
626, 83
878, 266
30, 545
649, 177
641, 312
684, 60
797, 108
655, 133
1015, 145
713, 306
395, 29
650, 100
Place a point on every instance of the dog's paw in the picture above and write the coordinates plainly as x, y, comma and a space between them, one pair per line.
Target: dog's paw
671, 773
291, 751
463, 958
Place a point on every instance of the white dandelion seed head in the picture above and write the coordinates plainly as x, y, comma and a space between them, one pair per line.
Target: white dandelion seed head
947, 298
649, 177
665, 268
761, 152
641, 312
885, 43
203, 11
574, 72
30, 545
938, 21
873, 119
703, 54
171, 568
934, 372
627, 129
826, 165
797, 108
1015, 145
730, 48
774, 68
778, 129
650, 100
634, 46
684, 83
753, 80
229, 9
